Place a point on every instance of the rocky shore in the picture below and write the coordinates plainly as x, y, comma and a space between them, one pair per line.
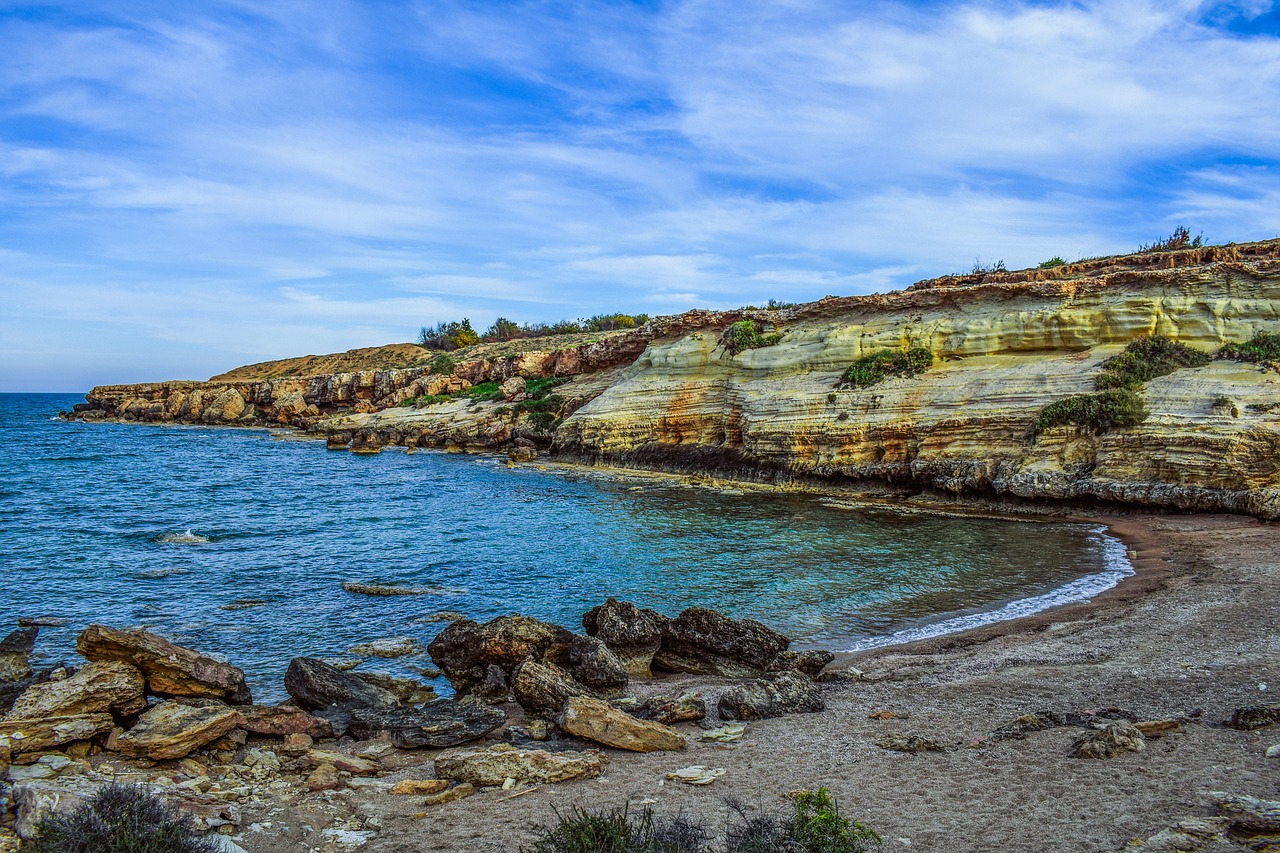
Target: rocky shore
1145, 721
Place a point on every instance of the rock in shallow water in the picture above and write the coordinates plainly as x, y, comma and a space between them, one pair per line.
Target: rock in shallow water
464, 650
315, 685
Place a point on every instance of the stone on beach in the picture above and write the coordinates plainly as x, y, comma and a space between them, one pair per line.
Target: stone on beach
173, 730
633, 634
282, 721
315, 685
437, 724
597, 720
464, 650
593, 663
1113, 739
1254, 717
774, 695
684, 708
169, 669
494, 765
420, 787
24, 736
542, 689
898, 742
707, 642
811, 662
110, 687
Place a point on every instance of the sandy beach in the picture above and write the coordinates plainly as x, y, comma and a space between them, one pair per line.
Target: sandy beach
1191, 636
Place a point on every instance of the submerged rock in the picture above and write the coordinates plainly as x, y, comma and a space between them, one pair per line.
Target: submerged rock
170, 669
631, 633
496, 764
316, 685
173, 730
464, 650
437, 724
772, 696
388, 647
704, 641
597, 720
15, 654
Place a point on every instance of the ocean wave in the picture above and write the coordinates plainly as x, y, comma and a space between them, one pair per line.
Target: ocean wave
1116, 567
184, 538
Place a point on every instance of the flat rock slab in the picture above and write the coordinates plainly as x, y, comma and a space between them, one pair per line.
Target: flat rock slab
495, 765
597, 720
51, 732
437, 724
170, 669
110, 687
282, 722
173, 730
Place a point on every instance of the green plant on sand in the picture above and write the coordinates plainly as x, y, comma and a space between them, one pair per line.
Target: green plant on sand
875, 367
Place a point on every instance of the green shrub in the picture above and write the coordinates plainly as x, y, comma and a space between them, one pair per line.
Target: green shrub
746, 334
483, 391
618, 831
1145, 359
877, 366
120, 819
1180, 239
536, 389
1264, 346
815, 827
448, 336
1094, 413
442, 365
1055, 261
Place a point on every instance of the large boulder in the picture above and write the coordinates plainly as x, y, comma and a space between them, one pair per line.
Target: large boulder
110, 687
282, 721
465, 649
594, 664
315, 685
811, 662
597, 720
437, 724
542, 689
684, 708
631, 633
170, 669
173, 730
15, 654
772, 696
496, 764
704, 641
23, 736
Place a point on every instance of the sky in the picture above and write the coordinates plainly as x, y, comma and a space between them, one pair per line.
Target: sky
186, 187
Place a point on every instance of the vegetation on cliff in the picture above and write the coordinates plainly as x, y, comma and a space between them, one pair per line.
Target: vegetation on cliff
875, 367
457, 334
1145, 359
747, 334
1262, 347
1094, 413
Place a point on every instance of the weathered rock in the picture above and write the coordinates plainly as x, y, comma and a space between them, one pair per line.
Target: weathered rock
316, 685
296, 744
170, 670
704, 641
597, 720
666, 709
354, 764
494, 690
386, 589
110, 687
513, 390
810, 662
282, 722
36, 799
772, 696
437, 724
1159, 728
457, 792
898, 742
388, 647
420, 787
592, 663
889, 715
406, 690
15, 654
495, 764
1248, 814
1254, 717
464, 650
1108, 742
542, 689
173, 730
24, 736
324, 778
631, 633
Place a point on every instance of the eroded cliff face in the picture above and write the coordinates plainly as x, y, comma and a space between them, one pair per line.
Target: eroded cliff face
1004, 345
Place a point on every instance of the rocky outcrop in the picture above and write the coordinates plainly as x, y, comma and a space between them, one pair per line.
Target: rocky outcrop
661, 708
1113, 739
110, 687
15, 654
173, 730
315, 685
282, 721
594, 664
542, 689
22, 736
705, 641
437, 724
632, 633
465, 650
170, 669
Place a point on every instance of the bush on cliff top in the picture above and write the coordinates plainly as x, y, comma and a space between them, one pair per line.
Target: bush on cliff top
120, 819
1264, 346
877, 366
1180, 239
1145, 359
1094, 413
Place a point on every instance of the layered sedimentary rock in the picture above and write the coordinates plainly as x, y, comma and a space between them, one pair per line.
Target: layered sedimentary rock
1005, 345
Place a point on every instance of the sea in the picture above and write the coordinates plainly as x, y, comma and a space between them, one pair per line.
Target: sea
237, 542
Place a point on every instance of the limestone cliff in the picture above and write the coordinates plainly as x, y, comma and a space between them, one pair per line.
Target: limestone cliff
1005, 345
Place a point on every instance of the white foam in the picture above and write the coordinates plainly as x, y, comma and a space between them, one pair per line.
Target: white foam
186, 538
1116, 567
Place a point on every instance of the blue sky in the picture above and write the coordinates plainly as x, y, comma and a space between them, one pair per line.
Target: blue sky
192, 186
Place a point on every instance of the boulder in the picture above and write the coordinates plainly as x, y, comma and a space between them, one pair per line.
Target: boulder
37, 799
514, 389
686, 707
704, 641
592, 663
15, 654
110, 687
356, 765
1254, 717
810, 662
228, 406
173, 730
465, 649
597, 720
542, 689
494, 765
437, 724
24, 736
494, 690
170, 669
324, 778
282, 721
316, 685
631, 633
406, 690
772, 696
1109, 741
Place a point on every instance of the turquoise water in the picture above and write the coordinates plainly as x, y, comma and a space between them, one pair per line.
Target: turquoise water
164, 526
